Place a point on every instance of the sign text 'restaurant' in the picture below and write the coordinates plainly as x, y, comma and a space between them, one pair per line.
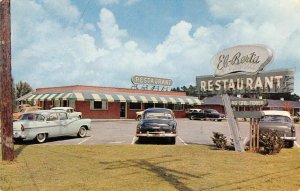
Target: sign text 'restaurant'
151, 81
271, 82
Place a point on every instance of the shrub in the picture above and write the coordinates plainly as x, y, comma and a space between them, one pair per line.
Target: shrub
271, 142
219, 140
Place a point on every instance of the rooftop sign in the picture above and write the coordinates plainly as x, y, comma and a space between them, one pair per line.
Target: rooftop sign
242, 58
153, 81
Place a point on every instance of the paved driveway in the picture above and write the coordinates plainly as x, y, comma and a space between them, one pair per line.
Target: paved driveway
123, 132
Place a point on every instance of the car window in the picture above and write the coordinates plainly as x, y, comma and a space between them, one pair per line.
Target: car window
275, 118
158, 115
32, 117
52, 117
63, 116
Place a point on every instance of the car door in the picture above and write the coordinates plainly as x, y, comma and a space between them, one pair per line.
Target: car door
66, 123
53, 125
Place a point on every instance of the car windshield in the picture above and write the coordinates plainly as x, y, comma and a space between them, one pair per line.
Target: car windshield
158, 115
275, 118
33, 117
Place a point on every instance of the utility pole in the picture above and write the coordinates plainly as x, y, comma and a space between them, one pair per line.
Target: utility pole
6, 83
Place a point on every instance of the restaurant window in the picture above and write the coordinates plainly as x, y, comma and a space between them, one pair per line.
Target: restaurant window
159, 105
178, 107
170, 106
65, 103
135, 106
98, 105
148, 105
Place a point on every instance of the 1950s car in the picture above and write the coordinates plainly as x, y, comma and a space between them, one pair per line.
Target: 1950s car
157, 122
24, 109
281, 122
72, 113
43, 124
207, 114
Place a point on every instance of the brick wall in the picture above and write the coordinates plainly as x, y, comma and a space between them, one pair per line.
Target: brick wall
113, 111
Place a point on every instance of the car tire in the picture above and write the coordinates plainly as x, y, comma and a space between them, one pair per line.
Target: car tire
138, 118
79, 116
172, 140
142, 140
192, 117
41, 137
82, 132
290, 144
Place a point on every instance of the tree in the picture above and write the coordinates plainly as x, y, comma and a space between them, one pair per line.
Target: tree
22, 88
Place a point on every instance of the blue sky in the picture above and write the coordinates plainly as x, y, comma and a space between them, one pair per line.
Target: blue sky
105, 42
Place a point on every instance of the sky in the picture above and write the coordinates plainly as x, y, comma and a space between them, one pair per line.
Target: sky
106, 42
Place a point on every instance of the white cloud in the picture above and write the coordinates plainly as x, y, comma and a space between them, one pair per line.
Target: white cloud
62, 8
110, 32
47, 53
113, 2
108, 2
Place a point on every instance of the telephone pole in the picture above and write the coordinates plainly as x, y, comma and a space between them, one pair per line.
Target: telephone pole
6, 83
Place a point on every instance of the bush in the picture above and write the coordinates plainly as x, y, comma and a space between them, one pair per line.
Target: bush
296, 120
219, 140
271, 142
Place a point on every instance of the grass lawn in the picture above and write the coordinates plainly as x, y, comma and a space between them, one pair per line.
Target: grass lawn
147, 167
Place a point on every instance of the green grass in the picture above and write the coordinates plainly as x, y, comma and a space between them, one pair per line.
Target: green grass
147, 167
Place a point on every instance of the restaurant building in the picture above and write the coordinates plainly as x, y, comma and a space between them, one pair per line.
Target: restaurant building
109, 103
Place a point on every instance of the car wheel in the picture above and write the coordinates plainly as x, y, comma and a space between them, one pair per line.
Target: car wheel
79, 116
192, 117
290, 144
142, 140
138, 118
82, 132
41, 137
172, 140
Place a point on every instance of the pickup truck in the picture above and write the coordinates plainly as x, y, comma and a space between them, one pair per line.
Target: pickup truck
72, 113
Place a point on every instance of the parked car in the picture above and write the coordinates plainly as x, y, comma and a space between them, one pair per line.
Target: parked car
72, 113
43, 124
23, 110
207, 114
157, 122
189, 112
281, 122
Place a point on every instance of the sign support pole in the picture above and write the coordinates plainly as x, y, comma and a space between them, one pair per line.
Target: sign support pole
233, 124
6, 83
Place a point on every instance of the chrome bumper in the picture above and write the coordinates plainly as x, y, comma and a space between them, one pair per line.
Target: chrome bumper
156, 134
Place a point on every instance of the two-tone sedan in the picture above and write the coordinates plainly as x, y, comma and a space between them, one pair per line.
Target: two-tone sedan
43, 124
281, 122
157, 122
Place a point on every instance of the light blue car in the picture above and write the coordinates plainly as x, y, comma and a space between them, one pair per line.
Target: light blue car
42, 124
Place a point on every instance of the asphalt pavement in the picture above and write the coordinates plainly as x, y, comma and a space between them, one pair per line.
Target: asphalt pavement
123, 132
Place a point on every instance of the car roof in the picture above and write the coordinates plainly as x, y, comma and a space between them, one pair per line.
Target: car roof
157, 110
44, 112
62, 108
277, 112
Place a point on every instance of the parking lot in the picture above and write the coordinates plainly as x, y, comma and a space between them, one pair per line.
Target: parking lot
123, 132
